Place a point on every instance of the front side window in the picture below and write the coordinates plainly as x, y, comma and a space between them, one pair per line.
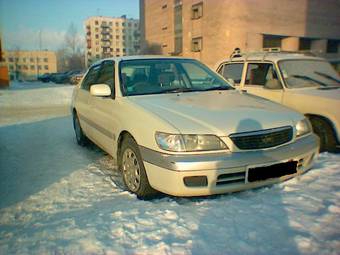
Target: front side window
157, 76
260, 73
90, 77
106, 75
233, 71
308, 73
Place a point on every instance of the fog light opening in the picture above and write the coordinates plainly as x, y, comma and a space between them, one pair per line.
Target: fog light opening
196, 181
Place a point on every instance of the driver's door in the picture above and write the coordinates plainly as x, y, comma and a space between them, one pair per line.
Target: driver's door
257, 76
104, 110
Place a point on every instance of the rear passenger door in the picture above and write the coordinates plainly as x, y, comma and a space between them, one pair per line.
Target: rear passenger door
257, 76
104, 109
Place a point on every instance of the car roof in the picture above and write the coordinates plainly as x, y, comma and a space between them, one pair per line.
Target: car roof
138, 57
269, 56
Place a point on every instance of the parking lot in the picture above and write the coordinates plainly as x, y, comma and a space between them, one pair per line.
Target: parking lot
59, 198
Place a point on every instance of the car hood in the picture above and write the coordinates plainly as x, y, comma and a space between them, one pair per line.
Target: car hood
332, 93
217, 112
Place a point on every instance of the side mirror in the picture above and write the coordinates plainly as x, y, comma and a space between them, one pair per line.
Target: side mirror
231, 81
273, 84
100, 90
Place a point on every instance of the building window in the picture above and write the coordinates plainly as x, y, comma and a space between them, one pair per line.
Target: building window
196, 44
97, 36
10, 60
178, 27
117, 37
164, 28
332, 46
45, 60
305, 44
39, 68
272, 41
197, 11
164, 45
117, 50
110, 23
164, 6
46, 67
96, 22
32, 67
31, 59
25, 67
97, 29
19, 67
11, 67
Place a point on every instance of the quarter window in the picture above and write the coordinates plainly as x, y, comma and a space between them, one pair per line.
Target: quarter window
260, 73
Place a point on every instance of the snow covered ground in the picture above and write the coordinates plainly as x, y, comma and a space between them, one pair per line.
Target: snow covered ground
59, 198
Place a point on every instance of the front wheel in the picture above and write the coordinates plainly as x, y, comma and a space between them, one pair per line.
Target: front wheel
324, 130
133, 171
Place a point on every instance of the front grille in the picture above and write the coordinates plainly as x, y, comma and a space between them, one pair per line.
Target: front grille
262, 139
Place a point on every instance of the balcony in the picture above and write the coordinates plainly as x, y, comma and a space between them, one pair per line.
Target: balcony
104, 25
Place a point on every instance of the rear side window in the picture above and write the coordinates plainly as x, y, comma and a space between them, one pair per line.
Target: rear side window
259, 73
106, 75
90, 77
233, 71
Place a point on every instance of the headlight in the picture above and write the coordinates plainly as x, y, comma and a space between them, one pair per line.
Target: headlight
186, 143
303, 127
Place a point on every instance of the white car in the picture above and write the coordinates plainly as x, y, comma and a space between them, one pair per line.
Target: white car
306, 84
177, 127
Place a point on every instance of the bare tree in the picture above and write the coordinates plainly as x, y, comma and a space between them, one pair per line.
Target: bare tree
71, 55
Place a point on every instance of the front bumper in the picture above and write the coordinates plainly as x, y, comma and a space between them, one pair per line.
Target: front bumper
224, 171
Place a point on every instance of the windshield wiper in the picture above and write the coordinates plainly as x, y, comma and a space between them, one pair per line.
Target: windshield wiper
217, 88
327, 76
176, 90
305, 77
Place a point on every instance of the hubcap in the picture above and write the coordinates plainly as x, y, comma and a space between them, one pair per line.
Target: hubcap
131, 170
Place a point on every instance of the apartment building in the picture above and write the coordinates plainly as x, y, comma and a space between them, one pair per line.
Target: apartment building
109, 37
28, 65
4, 79
209, 30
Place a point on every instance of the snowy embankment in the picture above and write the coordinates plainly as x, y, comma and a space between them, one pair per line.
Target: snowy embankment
25, 102
59, 198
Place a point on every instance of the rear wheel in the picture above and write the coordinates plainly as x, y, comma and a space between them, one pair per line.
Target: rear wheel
133, 171
80, 136
324, 130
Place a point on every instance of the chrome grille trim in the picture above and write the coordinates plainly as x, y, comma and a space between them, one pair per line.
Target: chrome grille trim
262, 139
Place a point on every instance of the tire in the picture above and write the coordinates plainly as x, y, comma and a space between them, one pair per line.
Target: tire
80, 136
325, 132
133, 171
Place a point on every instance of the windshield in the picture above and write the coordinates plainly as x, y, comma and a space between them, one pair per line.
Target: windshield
308, 73
158, 76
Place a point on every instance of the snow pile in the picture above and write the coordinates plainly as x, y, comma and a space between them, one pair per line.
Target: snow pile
25, 102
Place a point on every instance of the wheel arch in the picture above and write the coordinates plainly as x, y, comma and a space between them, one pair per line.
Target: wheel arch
328, 121
120, 140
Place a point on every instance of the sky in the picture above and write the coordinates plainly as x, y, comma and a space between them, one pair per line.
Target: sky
21, 20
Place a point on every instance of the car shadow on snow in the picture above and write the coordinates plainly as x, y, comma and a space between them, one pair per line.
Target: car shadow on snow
36, 155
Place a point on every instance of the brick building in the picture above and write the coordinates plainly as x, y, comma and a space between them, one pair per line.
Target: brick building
210, 30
